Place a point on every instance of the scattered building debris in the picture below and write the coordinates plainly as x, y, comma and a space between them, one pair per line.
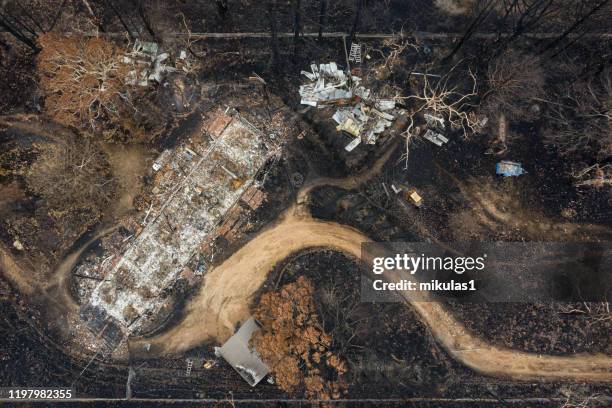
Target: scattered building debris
150, 64
18, 245
435, 122
593, 176
358, 113
355, 53
254, 197
509, 168
353, 144
208, 364
189, 367
435, 138
328, 85
239, 354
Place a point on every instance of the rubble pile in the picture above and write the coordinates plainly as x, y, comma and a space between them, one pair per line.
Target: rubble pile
150, 64
195, 187
359, 112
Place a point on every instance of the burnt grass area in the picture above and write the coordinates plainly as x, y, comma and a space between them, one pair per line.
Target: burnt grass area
539, 328
30, 357
436, 173
390, 352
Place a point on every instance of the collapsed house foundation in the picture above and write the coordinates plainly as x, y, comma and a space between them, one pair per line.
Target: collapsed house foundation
196, 187
359, 112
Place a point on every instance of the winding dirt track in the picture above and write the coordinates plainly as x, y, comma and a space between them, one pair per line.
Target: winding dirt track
350, 182
224, 301
228, 290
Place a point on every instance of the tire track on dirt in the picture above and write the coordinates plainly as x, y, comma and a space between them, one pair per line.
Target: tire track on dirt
228, 291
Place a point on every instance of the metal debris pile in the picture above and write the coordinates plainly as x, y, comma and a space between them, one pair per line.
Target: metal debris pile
435, 125
151, 65
359, 112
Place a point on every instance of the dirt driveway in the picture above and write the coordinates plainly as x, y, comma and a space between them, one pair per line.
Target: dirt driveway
223, 303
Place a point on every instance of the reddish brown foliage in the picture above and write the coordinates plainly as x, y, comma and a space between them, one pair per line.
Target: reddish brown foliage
84, 81
293, 344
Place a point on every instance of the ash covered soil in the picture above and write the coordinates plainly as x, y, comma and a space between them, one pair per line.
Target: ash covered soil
454, 183
390, 352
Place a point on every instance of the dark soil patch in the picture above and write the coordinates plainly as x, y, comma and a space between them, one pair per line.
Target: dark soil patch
539, 328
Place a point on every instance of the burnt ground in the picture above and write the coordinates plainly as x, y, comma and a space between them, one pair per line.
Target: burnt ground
448, 215
390, 352
416, 366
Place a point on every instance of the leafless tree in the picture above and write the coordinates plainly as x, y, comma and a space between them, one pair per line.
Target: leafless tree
19, 27
593, 176
72, 173
222, 8
581, 19
580, 119
580, 400
519, 17
297, 26
322, 17
391, 51
83, 79
271, 14
514, 79
482, 10
439, 97
357, 19
595, 312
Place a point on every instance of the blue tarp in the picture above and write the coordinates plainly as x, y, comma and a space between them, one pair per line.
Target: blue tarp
509, 168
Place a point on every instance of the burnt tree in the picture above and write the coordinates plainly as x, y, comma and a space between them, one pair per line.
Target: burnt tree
297, 17
222, 8
578, 23
19, 28
322, 18
357, 20
273, 31
482, 14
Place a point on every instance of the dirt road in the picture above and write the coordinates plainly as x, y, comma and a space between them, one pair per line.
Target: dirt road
224, 299
228, 290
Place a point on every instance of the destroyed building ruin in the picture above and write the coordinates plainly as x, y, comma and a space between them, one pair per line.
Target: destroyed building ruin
195, 186
359, 112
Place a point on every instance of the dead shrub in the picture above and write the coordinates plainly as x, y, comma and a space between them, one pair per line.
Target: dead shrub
579, 120
84, 82
514, 80
295, 346
72, 174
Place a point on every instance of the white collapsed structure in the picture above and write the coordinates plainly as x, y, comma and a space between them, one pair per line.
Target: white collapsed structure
238, 352
359, 112
197, 185
150, 65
